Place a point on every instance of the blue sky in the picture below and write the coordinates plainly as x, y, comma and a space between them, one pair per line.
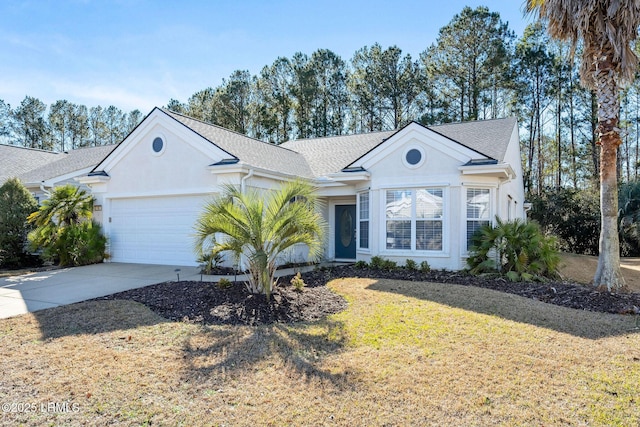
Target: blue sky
140, 53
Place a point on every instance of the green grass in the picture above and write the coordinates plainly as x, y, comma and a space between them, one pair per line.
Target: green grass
402, 354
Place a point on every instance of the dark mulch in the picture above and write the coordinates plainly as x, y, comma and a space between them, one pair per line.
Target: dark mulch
204, 302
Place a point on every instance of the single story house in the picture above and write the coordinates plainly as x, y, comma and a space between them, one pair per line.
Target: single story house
418, 192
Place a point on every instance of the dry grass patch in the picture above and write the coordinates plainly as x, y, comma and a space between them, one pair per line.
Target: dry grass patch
582, 268
403, 353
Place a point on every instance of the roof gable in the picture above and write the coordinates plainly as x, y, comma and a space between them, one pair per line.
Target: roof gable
247, 150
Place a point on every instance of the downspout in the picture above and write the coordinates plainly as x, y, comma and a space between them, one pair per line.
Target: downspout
242, 190
244, 179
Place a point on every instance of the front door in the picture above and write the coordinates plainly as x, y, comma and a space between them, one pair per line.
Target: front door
345, 239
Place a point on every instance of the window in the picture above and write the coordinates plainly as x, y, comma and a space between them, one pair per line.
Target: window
415, 219
363, 220
478, 210
413, 157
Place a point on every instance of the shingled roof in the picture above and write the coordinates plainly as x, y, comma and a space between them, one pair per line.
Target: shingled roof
251, 151
68, 162
489, 137
332, 154
15, 161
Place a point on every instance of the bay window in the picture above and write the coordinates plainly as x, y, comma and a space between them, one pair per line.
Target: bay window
414, 219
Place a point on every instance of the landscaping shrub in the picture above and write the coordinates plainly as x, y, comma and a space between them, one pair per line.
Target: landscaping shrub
64, 231
425, 267
298, 282
379, 263
224, 283
410, 264
516, 249
573, 216
79, 244
16, 203
361, 264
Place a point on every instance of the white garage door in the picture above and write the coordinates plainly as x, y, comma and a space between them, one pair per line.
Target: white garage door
154, 230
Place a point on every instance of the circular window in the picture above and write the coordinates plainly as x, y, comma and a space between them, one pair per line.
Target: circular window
413, 158
158, 145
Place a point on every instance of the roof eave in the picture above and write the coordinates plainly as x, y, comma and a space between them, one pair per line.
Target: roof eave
502, 171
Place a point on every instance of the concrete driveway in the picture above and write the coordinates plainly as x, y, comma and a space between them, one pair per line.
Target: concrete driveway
37, 291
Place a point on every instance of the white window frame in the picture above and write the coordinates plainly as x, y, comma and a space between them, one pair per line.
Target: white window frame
466, 218
413, 246
360, 220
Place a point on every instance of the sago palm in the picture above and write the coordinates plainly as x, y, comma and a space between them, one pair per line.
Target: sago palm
261, 226
606, 29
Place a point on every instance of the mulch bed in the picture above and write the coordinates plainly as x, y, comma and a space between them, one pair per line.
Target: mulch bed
203, 302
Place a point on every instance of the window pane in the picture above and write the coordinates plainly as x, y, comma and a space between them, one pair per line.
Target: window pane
429, 203
398, 234
429, 235
398, 204
364, 234
472, 227
478, 203
364, 206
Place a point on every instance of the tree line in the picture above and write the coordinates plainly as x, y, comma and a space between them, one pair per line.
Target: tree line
476, 69
64, 125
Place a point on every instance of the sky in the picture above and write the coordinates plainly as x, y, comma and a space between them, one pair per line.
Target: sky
138, 54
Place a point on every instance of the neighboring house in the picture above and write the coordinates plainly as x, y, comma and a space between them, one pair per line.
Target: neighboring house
418, 192
41, 170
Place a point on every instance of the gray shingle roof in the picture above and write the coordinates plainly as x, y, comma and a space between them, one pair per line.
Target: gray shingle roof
332, 154
248, 150
328, 155
489, 137
15, 161
68, 162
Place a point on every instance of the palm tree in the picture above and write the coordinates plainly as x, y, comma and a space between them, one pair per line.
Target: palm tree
261, 227
606, 30
66, 207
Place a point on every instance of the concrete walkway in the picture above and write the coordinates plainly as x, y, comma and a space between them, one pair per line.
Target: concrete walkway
37, 291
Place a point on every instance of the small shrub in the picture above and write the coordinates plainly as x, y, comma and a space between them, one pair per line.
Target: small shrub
377, 262
361, 264
517, 249
224, 283
410, 264
78, 244
210, 261
298, 282
425, 267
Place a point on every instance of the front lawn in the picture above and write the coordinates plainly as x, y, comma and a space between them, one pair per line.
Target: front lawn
403, 353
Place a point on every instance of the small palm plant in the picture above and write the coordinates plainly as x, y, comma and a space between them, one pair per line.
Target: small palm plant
517, 249
64, 230
261, 227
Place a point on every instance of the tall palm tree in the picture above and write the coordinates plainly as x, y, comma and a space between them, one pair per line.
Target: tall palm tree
606, 28
261, 227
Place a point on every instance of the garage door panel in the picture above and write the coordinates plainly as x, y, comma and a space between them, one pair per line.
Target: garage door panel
156, 230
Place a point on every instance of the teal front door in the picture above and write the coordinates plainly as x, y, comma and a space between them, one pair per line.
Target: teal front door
345, 239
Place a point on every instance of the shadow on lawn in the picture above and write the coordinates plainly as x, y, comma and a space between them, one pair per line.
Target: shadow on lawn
579, 323
94, 317
224, 351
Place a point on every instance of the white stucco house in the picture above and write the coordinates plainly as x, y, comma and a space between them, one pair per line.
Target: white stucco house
417, 192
